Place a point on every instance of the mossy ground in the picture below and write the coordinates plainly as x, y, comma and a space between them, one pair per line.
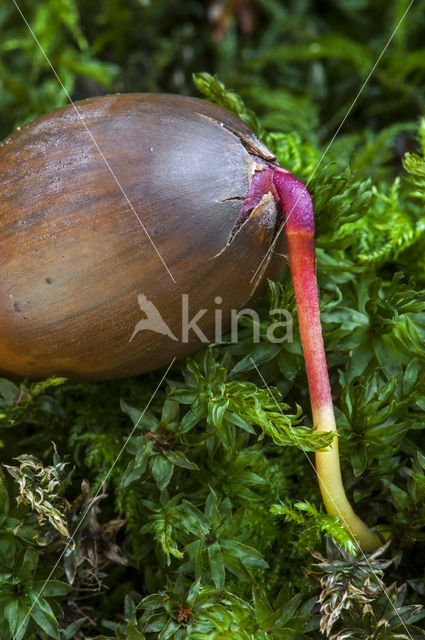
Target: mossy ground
181, 542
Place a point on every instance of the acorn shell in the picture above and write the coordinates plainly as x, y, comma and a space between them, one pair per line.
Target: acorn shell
109, 213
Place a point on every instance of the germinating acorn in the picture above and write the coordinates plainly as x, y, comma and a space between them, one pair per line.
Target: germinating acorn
128, 216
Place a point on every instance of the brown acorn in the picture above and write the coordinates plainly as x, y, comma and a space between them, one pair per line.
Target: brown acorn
120, 215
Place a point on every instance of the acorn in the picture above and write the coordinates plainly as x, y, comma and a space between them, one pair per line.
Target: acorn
126, 221
123, 214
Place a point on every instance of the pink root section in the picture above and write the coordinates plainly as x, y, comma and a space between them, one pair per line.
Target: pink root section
295, 201
302, 263
297, 209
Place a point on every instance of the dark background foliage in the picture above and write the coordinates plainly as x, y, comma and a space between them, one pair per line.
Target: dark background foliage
203, 530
